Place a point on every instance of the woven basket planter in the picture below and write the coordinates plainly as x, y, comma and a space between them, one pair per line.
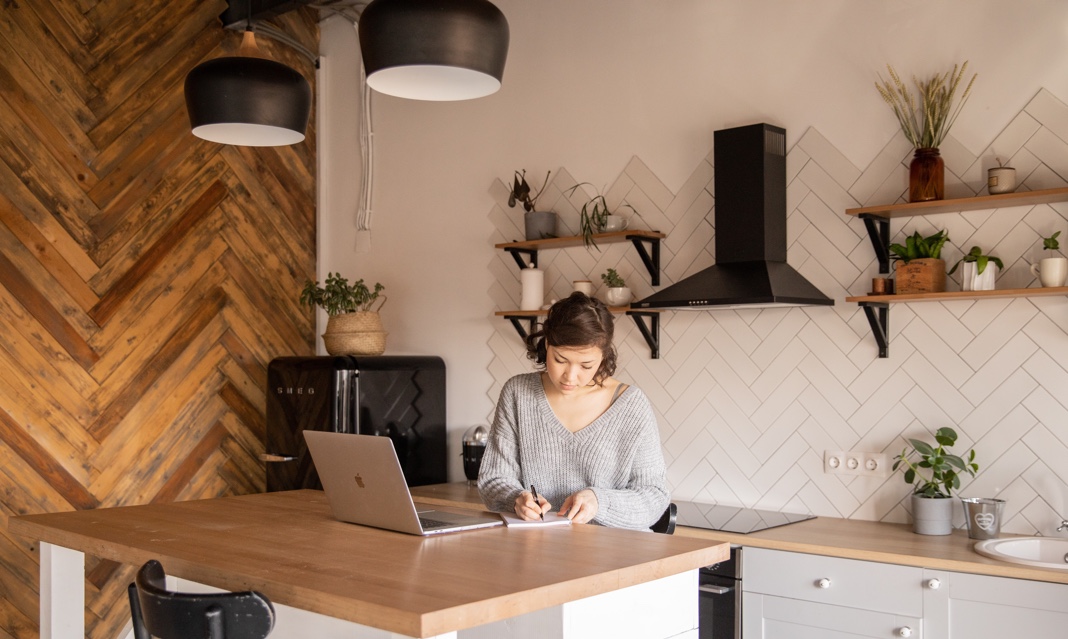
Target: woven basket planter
357, 333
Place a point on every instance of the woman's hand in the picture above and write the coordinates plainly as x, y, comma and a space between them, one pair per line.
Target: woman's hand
581, 507
528, 509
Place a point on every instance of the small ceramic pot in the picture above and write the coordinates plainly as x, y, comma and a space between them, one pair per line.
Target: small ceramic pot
619, 296
972, 280
932, 516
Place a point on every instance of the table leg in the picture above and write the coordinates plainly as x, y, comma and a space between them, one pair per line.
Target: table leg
62, 592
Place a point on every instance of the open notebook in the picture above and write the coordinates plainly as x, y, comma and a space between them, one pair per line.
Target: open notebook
365, 485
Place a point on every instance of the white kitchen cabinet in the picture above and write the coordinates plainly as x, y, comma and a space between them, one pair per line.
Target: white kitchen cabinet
791, 595
965, 606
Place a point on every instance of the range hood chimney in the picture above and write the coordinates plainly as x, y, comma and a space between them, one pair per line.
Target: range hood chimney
750, 268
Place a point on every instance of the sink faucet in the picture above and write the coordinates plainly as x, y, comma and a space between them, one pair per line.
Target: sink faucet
1063, 526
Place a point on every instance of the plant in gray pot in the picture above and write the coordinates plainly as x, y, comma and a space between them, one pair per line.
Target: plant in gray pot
934, 474
537, 225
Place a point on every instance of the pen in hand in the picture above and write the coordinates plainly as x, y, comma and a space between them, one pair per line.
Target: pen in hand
534, 492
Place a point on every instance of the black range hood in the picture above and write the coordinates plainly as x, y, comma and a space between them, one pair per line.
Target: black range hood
750, 268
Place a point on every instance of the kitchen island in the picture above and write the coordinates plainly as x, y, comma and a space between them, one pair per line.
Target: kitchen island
550, 582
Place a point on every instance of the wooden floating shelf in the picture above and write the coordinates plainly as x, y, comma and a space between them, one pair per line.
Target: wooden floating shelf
576, 240
650, 331
541, 313
1002, 200
962, 295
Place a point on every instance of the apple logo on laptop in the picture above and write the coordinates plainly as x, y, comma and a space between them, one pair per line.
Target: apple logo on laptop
359, 480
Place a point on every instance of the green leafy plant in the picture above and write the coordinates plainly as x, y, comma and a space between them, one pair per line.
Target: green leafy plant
918, 247
338, 296
926, 122
976, 255
942, 469
1050, 243
612, 279
593, 216
521, 191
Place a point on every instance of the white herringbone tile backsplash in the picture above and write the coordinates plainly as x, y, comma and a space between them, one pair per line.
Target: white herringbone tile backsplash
748, 400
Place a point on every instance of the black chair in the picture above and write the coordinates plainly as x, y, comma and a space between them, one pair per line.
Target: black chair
158, 612
666, 523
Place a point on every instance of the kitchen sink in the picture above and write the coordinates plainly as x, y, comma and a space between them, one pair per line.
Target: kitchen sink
1045, 552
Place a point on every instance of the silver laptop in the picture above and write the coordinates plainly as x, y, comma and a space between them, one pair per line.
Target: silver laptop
365, 485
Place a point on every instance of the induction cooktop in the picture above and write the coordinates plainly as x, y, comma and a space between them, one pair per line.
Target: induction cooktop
732, 518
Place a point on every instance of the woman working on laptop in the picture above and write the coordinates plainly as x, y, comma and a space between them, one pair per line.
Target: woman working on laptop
584, 440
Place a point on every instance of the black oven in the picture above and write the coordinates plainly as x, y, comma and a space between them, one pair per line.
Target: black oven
720, 598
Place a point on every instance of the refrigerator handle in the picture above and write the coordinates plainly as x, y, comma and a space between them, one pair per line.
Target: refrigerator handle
346, 396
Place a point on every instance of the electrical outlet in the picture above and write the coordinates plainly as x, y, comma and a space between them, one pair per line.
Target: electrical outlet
838, 462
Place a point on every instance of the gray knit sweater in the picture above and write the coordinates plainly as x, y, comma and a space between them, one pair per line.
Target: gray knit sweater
618, 456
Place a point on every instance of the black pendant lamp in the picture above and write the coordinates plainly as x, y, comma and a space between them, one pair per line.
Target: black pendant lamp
247, 101
434, 49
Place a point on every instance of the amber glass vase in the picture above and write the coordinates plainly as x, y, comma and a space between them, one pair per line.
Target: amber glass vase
927, 176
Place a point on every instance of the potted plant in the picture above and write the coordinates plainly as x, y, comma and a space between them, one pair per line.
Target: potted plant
934, 476
537, 225
919, 265
1051, 271
595, 216
977, 275
617, 294
354, 326
925, 123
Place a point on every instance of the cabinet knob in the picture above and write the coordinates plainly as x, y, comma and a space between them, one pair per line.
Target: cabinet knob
904, 631
824, 583
934, 584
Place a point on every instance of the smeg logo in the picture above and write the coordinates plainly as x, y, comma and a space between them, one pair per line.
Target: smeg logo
295, 390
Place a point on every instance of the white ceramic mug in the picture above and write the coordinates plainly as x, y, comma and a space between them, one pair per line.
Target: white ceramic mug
1051, 271
615, 223
583, 286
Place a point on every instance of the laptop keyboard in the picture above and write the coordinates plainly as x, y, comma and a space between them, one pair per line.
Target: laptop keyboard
427, 523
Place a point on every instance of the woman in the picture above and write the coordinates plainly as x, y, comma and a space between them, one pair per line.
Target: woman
584, 440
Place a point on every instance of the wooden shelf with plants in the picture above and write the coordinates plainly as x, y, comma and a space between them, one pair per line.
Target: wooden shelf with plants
877, 221
648, 322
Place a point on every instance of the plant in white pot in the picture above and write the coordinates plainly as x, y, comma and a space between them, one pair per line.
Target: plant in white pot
979, 271
1051, 271
354, 326
934, 475
617, 294
537, 225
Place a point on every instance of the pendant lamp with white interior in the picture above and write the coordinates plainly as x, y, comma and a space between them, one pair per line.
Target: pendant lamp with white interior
247, 100
434, 49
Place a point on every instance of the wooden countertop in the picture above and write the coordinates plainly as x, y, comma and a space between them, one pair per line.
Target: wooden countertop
288, 546
848, 538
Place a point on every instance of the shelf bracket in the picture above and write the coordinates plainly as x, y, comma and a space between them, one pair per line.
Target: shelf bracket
517, 254
650, 332
517, 322
879, 232
650, 259
879, 318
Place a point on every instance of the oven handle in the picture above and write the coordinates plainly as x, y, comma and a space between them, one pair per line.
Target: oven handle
715, 590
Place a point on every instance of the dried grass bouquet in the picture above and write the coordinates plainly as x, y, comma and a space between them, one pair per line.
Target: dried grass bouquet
927, 122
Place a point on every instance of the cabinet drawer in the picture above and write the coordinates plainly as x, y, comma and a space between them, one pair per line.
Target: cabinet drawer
842, 582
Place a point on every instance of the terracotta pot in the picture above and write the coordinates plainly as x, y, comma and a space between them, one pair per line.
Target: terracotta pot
927, 176
926, 275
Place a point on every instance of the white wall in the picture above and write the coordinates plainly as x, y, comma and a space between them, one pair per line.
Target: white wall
591, 84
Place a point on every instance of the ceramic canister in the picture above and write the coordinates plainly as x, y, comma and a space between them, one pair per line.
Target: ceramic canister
533, 282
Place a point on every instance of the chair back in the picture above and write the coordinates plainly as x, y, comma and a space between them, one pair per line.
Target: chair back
158, 612
666, 523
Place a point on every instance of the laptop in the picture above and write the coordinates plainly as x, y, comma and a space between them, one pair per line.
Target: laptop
365, 485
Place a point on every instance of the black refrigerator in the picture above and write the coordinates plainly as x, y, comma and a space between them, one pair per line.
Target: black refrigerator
400, 397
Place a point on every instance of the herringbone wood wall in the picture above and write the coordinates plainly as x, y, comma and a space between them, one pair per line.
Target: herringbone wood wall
146, 277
